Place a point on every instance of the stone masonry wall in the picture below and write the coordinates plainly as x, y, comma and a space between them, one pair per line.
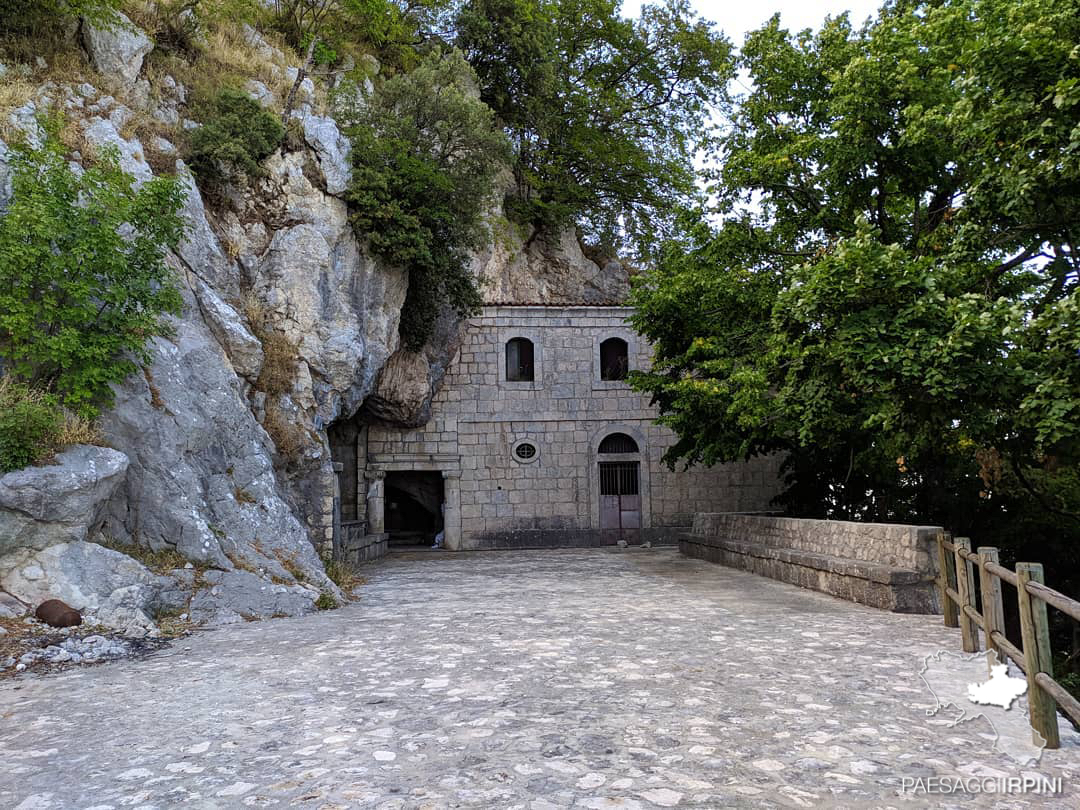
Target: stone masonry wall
888, 566
891, 544
479, 416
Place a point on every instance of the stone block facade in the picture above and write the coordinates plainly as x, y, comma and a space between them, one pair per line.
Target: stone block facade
498, 497
888, 566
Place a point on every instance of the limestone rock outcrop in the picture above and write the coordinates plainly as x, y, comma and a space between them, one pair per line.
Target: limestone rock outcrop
228, 597
288, 326
106, 586
403, 388
59, 502
116, 49
546, 268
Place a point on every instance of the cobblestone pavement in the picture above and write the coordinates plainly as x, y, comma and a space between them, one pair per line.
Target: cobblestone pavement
586, 679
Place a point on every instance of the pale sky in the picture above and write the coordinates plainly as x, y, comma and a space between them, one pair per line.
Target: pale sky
735, 18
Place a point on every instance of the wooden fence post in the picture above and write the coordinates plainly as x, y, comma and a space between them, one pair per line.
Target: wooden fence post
948, 606
1035, 631
965, 587
993, 609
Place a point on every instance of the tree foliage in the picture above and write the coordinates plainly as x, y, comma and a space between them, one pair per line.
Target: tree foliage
892, 294
424, 157
605, 113
236, 136
83, 279
29, 15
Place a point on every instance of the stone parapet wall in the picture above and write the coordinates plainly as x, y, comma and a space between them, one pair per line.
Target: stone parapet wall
888, 566
360, 547
891, 544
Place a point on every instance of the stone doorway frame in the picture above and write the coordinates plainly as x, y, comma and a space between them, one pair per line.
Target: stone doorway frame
449, 466
641, 456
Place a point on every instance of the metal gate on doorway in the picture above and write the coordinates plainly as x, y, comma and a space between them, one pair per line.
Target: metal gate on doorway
620, 500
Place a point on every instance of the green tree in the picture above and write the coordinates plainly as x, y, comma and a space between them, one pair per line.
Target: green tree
605, 113
23, 16
323, 31
891, 295
236, 136
424, 155
83, 280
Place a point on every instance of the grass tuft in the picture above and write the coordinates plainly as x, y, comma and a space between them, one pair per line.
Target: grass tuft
343, 575
160, 562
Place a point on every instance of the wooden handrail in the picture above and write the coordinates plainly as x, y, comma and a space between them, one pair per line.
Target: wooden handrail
1066, 702
975, 616
1002, 573
1014, 652
1070, 607
957, 585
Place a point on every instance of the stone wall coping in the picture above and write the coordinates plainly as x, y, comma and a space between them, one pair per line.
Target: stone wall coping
494, 310
853, 523
895, 545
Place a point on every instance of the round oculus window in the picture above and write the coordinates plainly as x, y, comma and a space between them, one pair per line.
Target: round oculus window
525, 452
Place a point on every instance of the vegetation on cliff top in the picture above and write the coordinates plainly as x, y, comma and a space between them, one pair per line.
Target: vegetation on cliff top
424, 156
603, 114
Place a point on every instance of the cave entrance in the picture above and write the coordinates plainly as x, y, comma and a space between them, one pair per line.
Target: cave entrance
414, 507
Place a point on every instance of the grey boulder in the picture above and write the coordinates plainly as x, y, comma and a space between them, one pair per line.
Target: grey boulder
243, 348
117, 50
227, 597
108, 587
331, 149
60, 502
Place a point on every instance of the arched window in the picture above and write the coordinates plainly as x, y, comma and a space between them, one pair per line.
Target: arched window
618, 443
614, 359
519, 360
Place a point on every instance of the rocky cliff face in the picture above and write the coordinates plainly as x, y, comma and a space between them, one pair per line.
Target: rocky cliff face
229, 470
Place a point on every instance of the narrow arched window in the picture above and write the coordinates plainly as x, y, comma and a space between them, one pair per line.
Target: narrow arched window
519, 360
614, 359
618, 443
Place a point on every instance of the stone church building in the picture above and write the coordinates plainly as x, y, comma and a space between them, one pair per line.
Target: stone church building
535, 440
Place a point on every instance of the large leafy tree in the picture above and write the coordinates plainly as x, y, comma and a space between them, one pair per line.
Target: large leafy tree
424, 157
889, 292
605, 113
84, 284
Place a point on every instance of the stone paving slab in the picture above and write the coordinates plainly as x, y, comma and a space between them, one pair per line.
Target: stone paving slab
585, 679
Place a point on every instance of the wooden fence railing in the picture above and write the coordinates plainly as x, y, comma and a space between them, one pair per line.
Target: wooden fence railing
957, 564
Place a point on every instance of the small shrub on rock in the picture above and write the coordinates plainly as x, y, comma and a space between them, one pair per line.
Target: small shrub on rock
288, 437
280, 356
34, 426
236, 136
343, 575
29, 16
30, 423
